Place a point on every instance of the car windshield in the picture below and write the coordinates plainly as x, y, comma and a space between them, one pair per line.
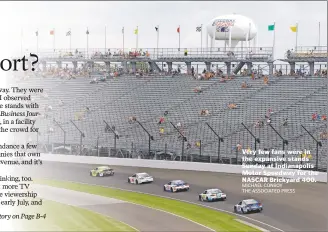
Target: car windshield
251, 202
143, 175
178, 182
213, 191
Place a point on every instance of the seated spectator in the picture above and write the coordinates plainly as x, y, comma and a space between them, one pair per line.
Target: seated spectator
204, 112
198, 144
239, 147
324, 135
285, 122
178, 125
94, 81
161, 131
266, 80
232, 106
269, 121
132, 119
198, 89
314, 116
188, 146
222, 79
166, 113
318, 117
161, 120
244, 85
324, 117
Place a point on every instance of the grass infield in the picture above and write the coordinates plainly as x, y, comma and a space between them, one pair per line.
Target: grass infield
211, 218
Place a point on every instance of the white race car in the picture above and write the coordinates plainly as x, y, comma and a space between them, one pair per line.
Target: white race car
140, 178
176, 186
212, 195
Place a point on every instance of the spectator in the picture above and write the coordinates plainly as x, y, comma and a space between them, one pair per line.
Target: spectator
198, 89
285, 122
232, 106
324, 117
161, 120
166, 113
239, 147
186, 52
266, 80
324, 135
161, 131
314, 116
178, 125
188, 146
204, 112
132, 119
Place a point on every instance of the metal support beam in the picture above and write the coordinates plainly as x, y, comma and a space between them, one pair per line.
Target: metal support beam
257, 140
81, 135
184, 139
317, 148
220, 139
284, 141
150, 137
114, 132
62, 130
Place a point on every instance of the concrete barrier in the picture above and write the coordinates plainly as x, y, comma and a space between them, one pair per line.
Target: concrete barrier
191, 166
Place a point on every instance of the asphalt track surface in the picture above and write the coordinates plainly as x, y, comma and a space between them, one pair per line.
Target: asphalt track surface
305, 210
136, 216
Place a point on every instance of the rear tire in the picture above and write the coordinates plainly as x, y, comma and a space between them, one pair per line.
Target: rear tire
90, 173
137, 182
200, 198
242, 210
129, 180
235, 209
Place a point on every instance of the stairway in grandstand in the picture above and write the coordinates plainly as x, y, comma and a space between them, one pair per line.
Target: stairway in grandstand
148, 98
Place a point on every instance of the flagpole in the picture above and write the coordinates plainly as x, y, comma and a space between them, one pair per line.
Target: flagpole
54, 40
179, 37
123, 39
87, 43
70, 40
296, 36
21, 41
37, 42
105, 37
157, 39
319, 37
137, 38
274, 39
201, 38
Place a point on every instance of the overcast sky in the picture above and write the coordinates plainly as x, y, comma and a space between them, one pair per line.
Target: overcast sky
77, 16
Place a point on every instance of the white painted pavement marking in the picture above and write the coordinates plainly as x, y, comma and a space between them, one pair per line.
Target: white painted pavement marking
252, 225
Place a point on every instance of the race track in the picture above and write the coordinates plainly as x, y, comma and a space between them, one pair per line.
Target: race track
139, 217
303, 211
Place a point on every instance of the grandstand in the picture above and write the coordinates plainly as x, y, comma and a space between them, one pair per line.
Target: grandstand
78, 112
148, 98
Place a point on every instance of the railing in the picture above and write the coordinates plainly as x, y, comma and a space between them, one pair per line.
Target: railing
308, 52
161, 53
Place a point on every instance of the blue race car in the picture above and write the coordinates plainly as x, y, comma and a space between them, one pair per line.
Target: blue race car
176, 186
248, 206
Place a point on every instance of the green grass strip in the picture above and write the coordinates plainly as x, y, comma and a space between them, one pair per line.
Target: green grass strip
62, 217
211, 218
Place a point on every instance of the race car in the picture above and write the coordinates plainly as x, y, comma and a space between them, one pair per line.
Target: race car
176, 186
140, 178
248, 206
102, 171
212, 195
